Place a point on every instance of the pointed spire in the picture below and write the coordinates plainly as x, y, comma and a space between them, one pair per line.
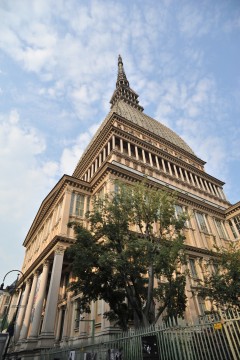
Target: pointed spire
123, 90
121, 79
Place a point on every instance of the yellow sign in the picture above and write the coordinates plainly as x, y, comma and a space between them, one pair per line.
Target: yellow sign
218, 326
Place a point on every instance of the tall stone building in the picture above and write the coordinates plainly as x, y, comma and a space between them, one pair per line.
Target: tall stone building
128, 145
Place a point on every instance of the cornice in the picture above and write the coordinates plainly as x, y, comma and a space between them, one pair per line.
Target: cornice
97, 142
233, 208
51, 199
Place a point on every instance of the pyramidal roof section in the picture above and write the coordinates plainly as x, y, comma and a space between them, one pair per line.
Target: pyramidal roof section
123, 90
124, 102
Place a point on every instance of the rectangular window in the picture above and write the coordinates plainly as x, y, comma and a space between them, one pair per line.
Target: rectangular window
72, 203
193, 269
202, 222
221, 229
236, 220
180, 210
88, 204
202, 306
79, 206
234, 231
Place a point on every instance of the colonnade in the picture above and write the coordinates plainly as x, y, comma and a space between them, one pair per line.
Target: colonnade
137, 152
28, 323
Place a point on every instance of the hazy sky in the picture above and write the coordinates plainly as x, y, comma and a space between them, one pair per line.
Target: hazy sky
58, 66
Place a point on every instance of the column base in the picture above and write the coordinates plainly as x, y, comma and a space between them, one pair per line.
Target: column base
29, 343
46, 340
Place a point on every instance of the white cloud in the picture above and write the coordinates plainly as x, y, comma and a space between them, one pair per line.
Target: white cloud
71, 154
24, 183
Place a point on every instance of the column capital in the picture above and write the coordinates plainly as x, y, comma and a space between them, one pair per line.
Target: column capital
46, 263
59, 250
28, 281
36, 273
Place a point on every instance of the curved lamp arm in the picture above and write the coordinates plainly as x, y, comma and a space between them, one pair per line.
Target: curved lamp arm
2, 285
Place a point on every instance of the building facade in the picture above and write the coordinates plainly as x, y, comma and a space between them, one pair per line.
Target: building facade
129, 145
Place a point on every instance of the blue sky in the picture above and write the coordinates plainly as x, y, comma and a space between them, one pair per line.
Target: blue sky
58, 65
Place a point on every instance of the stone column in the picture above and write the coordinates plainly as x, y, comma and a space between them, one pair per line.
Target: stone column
26, 321
196, 180
157, 162
60, 315
181, 173
100, 158
175, 170
129, 149
121, 145
191, 176
143, 155
206, 184
67, 319
163, 165
186, 174
52, 298
39, 301
169, 167
108, 148
150, 159
113, 142
211, 189
203, 187
22, 309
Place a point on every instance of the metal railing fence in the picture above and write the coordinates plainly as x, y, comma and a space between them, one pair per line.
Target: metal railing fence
216, 336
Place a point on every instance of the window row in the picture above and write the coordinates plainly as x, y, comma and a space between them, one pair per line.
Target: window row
202, 221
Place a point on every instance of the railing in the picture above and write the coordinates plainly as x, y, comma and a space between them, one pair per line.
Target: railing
216, 336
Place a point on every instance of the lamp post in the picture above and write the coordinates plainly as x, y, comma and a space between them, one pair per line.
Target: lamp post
11, 291
10, 328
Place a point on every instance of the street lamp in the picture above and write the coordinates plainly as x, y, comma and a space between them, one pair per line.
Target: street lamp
10, 290
2, 285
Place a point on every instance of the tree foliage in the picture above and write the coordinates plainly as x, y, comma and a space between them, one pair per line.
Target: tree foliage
222, 286
132, 256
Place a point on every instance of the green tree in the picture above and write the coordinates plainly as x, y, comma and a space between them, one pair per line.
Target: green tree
132, 256
222, 286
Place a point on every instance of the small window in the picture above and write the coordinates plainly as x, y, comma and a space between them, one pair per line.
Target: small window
234, 231
201, 304
202, 222
77, 204
221, 229
193, 269
236, 220
180, 210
